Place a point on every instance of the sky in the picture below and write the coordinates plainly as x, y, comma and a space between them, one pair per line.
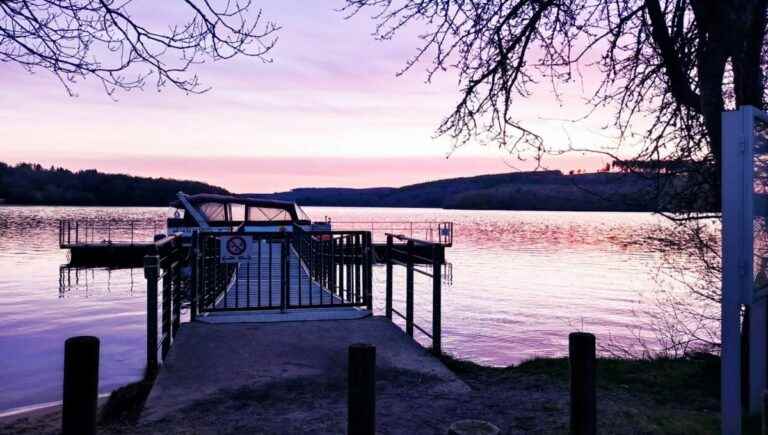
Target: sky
329, 110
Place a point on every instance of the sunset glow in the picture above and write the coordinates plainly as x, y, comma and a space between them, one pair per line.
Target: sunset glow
330, 97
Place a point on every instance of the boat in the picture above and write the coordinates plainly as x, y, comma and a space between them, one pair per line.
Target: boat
228, 213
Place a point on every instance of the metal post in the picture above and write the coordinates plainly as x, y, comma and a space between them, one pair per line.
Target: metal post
437, 322
284, 275
193, 281
81, 385
166, 313
368, 271
150, 273
388, 296
176, 276
331, 267
409, 289
361, 397
581, 355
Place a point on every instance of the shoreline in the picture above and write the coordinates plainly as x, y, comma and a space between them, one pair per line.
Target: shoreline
634, 396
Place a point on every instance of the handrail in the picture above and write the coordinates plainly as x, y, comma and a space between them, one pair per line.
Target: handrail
91, 231
436, 261
163, 265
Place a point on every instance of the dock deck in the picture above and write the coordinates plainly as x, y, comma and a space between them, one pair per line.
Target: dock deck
291, 377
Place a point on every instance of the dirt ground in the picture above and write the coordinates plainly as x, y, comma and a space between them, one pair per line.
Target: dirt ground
633, 398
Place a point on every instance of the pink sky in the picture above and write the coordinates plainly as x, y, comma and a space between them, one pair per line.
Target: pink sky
328, 111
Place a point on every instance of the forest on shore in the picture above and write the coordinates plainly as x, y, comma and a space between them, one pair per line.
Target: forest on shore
33, 184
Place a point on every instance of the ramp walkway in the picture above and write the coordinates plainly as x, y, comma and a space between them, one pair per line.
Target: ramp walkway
279, 375
257, 283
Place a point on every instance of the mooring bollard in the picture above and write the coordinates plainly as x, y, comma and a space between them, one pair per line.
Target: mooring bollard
361, 399
81, 385
581, 355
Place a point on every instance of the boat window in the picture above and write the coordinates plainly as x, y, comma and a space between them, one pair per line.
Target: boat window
213, 211
267, 214
237, 212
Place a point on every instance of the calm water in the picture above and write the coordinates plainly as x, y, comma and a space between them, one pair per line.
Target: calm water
521, 282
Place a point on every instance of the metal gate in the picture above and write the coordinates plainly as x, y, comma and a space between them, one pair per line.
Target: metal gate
281, 270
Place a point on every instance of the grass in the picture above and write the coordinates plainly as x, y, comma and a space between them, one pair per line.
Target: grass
663, 395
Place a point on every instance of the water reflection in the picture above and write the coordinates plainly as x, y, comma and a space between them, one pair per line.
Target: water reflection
98, 281
520, 282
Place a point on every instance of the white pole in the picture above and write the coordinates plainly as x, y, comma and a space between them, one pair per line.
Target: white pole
732, 270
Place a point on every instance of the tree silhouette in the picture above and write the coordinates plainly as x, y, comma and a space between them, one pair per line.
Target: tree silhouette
75, 39
678, 63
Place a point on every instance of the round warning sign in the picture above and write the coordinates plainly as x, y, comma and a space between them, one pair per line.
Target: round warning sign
236, 246
235, 249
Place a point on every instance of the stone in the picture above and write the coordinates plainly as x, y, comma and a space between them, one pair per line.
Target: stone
473, 427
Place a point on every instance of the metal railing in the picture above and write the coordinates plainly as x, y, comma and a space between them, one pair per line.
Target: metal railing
163, 270
84, 232
404, 254
339, 261
431, 231
298, 269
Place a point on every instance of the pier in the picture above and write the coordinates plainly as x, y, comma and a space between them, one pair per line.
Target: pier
281, 315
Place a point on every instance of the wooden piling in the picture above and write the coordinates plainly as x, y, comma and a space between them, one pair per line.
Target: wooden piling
81, 385
361, 397
581, 355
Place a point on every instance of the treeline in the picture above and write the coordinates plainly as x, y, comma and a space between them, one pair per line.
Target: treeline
540, 190
31, 184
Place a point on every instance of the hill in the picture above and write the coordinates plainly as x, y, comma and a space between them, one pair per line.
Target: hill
540, 190
32, 184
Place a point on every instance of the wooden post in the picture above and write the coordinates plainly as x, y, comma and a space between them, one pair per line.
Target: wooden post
81, 385
437, 289
409, 289
361, 397
150, 273
388, 297
581, 355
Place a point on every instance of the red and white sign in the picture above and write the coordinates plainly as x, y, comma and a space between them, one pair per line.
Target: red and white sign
235, 249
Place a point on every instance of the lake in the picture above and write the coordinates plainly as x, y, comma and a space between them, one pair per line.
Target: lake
521, 281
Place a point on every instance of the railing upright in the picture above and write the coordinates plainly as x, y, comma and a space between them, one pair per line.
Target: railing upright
193, 279
166, 311
388, 295
285, 274
409, 289
176, 295
151, 274
368, 271
437, 327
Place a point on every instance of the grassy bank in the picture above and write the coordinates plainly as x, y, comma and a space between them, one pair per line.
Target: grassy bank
662, 396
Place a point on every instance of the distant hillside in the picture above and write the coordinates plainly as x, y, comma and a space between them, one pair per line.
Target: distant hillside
32, 184
541, 190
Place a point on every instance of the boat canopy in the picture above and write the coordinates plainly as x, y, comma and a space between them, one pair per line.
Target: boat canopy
227, 210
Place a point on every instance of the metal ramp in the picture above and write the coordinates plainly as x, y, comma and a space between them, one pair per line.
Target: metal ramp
328, 272
258, 283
